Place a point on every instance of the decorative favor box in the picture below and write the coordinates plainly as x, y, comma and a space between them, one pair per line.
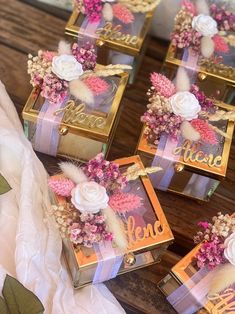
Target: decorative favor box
203, 40
187, 135
192, 283
119, 28
75, 117
144, 234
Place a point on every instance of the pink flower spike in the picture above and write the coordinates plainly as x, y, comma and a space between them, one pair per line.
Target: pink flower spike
220, 44
205, 130
96, 84
162, 84
122, 13
125, 202
61, 186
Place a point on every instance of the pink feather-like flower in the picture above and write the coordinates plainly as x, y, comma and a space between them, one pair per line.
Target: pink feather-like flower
162, 84
122, 13
96, 84
125, 202
206, 132
61, 186
220, 44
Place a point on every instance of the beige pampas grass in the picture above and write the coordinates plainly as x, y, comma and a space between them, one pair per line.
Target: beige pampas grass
224, 277
64, 48
220, 132
223, 115
107, 12
140, 6
182, 81
207, 47
111, 69
81, 91
202, 7
116, 226
73, 172
188, 132
134, 172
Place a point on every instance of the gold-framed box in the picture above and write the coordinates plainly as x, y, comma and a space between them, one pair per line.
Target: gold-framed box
215, 80
188, 172
112, 44
84, 131
147, 240
181, 273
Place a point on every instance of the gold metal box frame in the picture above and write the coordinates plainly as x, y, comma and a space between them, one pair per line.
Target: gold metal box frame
147, 153
78, 263
103, 135
223, 76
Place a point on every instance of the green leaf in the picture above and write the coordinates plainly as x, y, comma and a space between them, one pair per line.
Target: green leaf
3, 307
20, 300
4, 186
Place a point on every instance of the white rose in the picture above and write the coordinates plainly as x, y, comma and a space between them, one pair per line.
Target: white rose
205, 25
89, 197
229, 251
185, 105
66, 67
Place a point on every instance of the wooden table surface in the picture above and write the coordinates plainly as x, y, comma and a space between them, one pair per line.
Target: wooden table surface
26, 28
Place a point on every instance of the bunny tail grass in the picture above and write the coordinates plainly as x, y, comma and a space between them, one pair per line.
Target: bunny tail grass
224, 277
107, 12
73, 172
81, 91
64, 48
207, 47
202, 7
116, 226
182, 81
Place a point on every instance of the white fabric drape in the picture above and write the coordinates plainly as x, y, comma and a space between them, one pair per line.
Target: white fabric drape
30, 243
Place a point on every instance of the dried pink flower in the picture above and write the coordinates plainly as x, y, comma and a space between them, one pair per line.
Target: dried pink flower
203, 224
220, 44
125, 202
61, 186
189, 6
206, 132
93, 10
85, 54
122, 13
96, 84
162, 84
48, 55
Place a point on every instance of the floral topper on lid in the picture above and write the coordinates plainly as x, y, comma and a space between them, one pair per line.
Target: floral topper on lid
181, 109
217, 250
122, 10
71, 71
95, 199
204, 28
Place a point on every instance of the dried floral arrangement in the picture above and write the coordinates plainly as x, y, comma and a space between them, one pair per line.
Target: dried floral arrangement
72, 70
181, 109
205, 28
95, 201
217, 250
122, 10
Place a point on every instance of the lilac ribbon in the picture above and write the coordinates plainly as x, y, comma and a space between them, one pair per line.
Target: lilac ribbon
191, 296
165, 159
109, 262
47, 136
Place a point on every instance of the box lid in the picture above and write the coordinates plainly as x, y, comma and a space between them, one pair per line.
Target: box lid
213, 164
146, 229
114, 35
80, 119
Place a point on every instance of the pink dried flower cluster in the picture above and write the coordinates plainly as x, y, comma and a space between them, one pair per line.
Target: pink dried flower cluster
54, 89
125, 202
205, 103
93, 10
162, 84
186, 38
106, 173
38, 67
61, 186
96, 84
205, 130
220, 44
88, 230
224, 18
86, 55
189, 6
213, 236
122, 13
